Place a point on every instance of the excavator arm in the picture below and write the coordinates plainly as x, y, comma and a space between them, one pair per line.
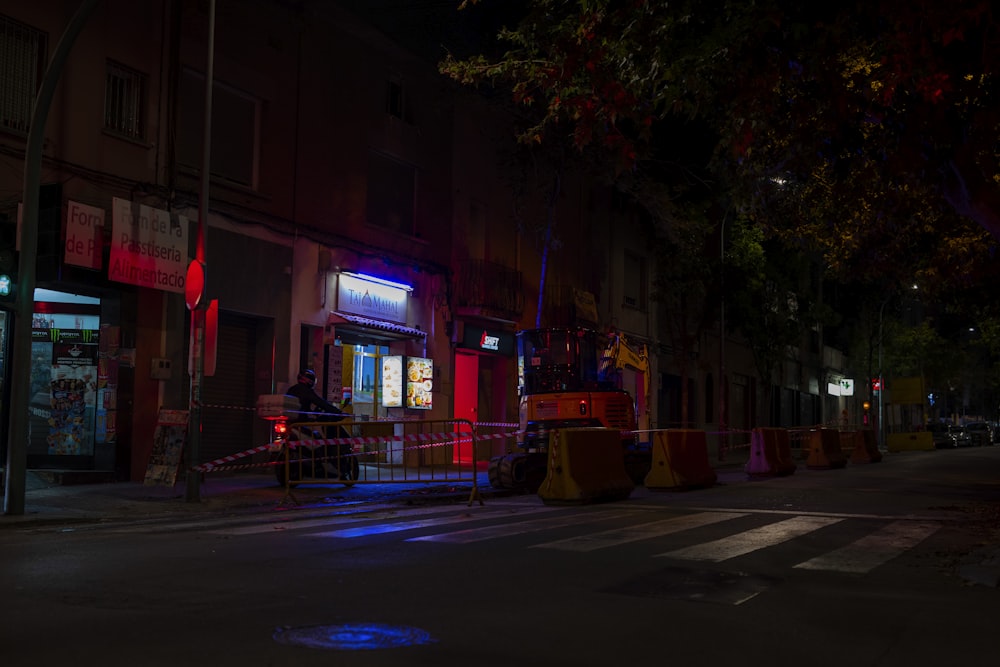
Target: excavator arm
621, 354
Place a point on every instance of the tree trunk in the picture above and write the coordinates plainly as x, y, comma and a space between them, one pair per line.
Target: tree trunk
546, 244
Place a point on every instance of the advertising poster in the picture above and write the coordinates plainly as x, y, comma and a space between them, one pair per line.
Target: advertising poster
392, 382
169, 439
64, 391
419, 383
107, 384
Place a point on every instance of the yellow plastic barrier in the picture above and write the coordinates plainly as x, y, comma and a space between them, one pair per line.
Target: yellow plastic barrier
770, 453
680, 461
824, 449
865, 447
904, 442
585, 465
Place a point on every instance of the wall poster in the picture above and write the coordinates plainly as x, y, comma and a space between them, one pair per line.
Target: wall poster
169, 439
63, 391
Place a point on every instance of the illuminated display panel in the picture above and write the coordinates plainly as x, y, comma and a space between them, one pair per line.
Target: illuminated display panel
419, 383
392, 382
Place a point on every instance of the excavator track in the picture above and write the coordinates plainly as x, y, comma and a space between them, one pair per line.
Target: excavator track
519, 471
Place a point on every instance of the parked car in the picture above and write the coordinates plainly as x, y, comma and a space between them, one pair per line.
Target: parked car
960, 435
980, 433
939, 434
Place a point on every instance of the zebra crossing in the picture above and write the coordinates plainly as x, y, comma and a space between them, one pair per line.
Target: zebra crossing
881, 538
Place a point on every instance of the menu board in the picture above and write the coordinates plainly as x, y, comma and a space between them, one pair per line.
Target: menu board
418, 380
419, 383
392, 382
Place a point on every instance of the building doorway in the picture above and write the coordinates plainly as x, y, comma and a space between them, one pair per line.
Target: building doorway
481, 390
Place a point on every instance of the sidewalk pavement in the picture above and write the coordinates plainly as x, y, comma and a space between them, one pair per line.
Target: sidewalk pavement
49, 502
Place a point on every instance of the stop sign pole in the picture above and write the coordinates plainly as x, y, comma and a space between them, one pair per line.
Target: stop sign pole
194, 297
194, 287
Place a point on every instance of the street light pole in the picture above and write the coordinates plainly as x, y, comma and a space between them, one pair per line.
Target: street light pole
193, 480
15, 477
881, 381
723, 387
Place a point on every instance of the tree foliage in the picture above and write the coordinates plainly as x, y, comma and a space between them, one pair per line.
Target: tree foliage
864, 130
864, 134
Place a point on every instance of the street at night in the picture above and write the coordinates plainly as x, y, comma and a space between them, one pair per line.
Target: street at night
881, 564
499, 332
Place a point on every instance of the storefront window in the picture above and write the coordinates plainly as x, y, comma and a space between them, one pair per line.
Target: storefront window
65, 352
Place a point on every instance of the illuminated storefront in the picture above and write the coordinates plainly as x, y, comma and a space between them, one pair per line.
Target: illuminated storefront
367, 348
484, 377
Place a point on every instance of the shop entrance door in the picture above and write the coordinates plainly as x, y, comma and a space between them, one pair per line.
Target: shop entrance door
366, 379
466, 397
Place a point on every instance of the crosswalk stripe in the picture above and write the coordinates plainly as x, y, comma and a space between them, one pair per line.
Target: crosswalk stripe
610, 538
872, 550
508, 529
383, 515
751, 540
382, 528
291, 524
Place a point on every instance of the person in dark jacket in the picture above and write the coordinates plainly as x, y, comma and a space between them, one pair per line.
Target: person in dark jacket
309, 400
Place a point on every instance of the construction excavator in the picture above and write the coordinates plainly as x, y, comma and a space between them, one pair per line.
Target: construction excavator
574, 377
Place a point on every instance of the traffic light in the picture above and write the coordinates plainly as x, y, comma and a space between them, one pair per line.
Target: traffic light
8, 260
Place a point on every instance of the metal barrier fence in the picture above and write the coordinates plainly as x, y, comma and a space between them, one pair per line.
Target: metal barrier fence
379, 452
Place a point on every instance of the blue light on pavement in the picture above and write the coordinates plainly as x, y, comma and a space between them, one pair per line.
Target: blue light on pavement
353, 636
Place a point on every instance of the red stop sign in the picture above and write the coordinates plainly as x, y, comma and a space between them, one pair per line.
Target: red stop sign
194, 284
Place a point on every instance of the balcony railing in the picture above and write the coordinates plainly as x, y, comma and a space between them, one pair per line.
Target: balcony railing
489, 289
566, 305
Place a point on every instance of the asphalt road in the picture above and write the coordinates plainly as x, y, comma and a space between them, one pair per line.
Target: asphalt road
866, 565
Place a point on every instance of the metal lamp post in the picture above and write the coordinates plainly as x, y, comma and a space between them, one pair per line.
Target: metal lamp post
881, 381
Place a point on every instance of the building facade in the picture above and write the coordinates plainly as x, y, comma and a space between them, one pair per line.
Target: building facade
360, 210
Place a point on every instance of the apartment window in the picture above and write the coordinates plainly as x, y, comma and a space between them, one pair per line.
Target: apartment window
394, 99
235, 129
22, 52
634, 291
396, 103
391, 193
125, 101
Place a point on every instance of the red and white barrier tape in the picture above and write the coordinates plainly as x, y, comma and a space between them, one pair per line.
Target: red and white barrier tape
415, 437
428, 439
214, 465
433, 438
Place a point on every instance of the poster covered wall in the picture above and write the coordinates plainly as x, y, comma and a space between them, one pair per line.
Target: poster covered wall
63, 391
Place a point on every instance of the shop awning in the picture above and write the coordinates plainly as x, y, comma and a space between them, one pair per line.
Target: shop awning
360, 330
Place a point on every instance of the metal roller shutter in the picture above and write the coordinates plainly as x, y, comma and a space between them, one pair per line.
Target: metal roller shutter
227, 397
